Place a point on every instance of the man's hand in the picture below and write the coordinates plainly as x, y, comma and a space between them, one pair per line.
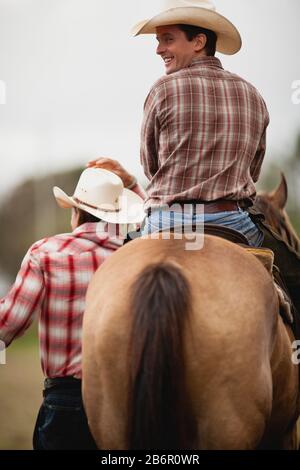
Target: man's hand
115, 167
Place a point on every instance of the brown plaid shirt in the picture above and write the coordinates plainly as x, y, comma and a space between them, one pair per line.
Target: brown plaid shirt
203, 135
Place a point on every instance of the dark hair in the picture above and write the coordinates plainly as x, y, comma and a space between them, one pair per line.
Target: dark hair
85, 217
192, 31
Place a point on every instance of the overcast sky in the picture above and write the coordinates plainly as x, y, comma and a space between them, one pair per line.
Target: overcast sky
76, 81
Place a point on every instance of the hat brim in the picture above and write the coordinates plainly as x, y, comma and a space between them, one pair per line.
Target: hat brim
131, 212
228, 38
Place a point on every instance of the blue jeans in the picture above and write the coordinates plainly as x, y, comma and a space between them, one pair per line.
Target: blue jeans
237, 220
61, 423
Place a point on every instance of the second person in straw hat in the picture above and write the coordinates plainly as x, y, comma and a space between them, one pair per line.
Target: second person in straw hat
52, 284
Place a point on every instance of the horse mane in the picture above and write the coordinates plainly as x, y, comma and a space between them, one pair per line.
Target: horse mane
272, 205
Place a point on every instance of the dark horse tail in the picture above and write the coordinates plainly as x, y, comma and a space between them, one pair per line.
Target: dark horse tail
159, 415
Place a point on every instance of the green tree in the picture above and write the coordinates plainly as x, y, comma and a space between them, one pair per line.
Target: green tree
30, 213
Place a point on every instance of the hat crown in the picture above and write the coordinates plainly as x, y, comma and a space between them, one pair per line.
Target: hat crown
190, 3
102, 194
201, 13
99, 188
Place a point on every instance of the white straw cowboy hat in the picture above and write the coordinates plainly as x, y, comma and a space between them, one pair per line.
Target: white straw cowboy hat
102, 194
196, 13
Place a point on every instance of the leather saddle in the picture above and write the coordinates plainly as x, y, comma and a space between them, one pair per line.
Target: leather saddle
266, 258
227, 233
264, 255
209, 229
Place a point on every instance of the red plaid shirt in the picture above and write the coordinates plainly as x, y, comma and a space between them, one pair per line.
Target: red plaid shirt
203, 135
53, 281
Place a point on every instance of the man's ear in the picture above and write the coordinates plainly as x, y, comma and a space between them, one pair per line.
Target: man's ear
200, 42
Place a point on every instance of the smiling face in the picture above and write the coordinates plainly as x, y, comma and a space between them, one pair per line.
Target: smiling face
176, 50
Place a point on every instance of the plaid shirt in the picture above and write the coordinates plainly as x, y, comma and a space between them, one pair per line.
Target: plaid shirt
203, 135
53, 281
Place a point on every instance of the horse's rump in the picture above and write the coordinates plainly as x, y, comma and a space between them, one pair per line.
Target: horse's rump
226, 332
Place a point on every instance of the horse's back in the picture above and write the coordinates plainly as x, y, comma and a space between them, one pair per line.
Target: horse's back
227, 343
223, 278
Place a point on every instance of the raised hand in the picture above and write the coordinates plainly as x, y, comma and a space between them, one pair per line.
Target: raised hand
115, 167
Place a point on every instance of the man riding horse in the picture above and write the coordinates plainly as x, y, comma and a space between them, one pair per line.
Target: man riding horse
203, 136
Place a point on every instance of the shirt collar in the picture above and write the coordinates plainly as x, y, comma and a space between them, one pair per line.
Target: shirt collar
205, 61
91, 227
101, 232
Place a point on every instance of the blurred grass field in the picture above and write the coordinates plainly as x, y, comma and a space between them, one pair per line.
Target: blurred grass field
21, 384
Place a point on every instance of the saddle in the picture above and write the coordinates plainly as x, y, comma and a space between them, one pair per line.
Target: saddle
264, 255
266, 258
209, 229
227, 233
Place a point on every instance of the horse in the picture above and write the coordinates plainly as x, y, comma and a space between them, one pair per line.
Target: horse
187, 350
272, 205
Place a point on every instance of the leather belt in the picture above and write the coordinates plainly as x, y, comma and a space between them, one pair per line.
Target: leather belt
62, 382
199, 207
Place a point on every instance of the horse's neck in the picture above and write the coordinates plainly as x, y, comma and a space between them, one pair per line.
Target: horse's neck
279, 222
294, 236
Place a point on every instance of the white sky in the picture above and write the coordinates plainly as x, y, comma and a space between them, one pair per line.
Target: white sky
76, 81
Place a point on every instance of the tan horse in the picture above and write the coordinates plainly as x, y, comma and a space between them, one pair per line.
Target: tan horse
186, 350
